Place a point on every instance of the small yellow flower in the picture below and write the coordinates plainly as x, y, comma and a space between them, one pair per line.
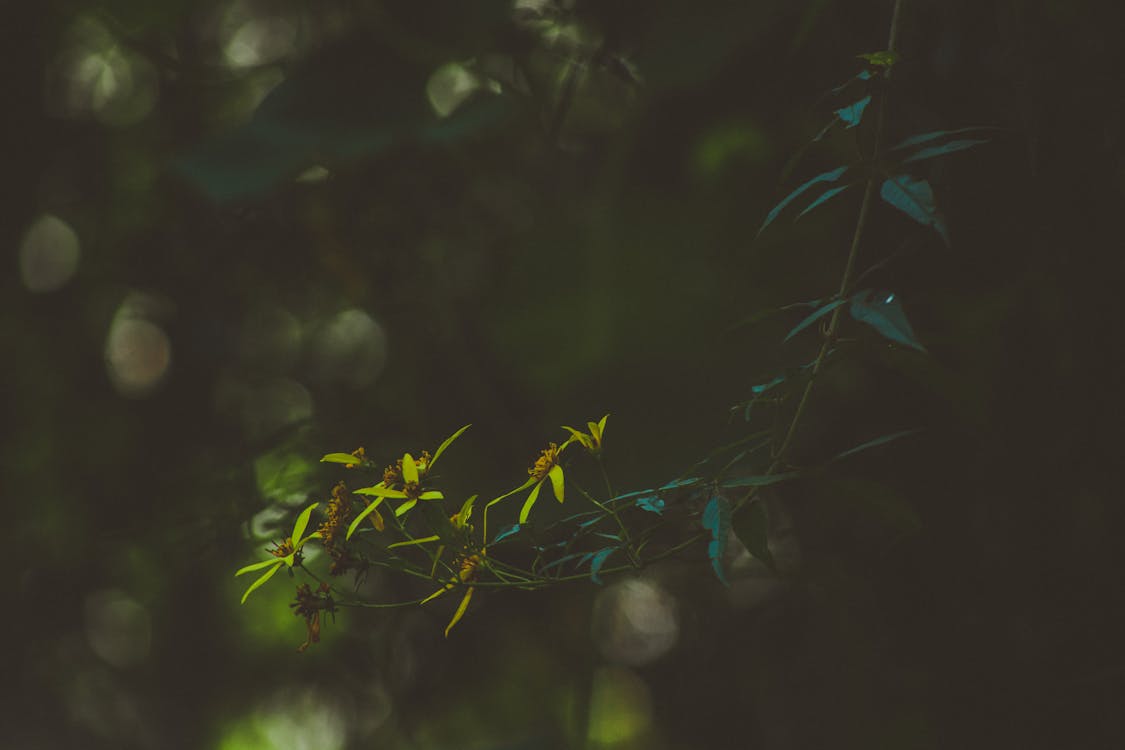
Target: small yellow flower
286, 552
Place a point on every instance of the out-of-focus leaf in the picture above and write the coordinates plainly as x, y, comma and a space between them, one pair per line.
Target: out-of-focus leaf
445, 444
881, 59
915, 198
413, 542
885, 315
676, 484
817, 315
852, 114
823, 198
942, 150
597, 561
716, 519
265, 577
830, 176
874, 443
362, 515
751, 526
916, 140
863, 75
651, 503
763, 480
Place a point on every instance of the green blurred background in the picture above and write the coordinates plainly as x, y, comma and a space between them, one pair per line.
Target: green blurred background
243, 234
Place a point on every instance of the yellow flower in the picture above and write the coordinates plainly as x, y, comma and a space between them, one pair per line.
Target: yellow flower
287, 552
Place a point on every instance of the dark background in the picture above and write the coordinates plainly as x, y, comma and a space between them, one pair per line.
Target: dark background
191, 318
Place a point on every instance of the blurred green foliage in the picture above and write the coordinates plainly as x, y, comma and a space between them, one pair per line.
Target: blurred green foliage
284, 248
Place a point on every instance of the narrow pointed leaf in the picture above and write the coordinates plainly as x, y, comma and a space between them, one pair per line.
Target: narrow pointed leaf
651, 503
883, 440
530, 502
676, 484
380, 490
826, 196
852, 114
597, 561
830, 176
413, 542
302, 523
508, 494
436, 594
751, 526
409, 468
405, 508
915, 198
942, 150
716, 519
445, 444
362, 515
885, 315
760, 481
510, 531
464, 605
341, 458
466, 512
257, 566
808, 321
556, 475
916, 140
265, 577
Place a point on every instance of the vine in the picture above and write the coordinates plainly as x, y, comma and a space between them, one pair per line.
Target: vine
404, 522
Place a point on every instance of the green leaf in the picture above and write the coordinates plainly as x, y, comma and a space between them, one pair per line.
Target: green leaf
830, 176
464, 605
556, 476
362, 515
256, 566
509, 493
445, 444
597, 561
380, 490
405, 508
412, 542
341, 458
852, 114
716, 519
530, 502
883, 440
751, 526
302, 523
808, 321
885, 315
915, 198
763, 480
826, 196
882, 59
921, 138
265, 577
942, 150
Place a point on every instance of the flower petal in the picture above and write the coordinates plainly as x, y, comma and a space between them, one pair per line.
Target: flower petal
302, 523
256, 566
530, 502
362, 515
464, 605
409, 468
402, 509
431, 495
380, 490
265, 577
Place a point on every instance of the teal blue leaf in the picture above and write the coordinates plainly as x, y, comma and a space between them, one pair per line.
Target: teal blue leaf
751, 526
915, 198
817, 315
510, 531
597, 561
676, 484
651, 503
826, 196
761, 388
830, 176
863, 75
882, 440
716, 519
916, 140
852, 114
763, 480
942, 150
885, 315
562, 561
